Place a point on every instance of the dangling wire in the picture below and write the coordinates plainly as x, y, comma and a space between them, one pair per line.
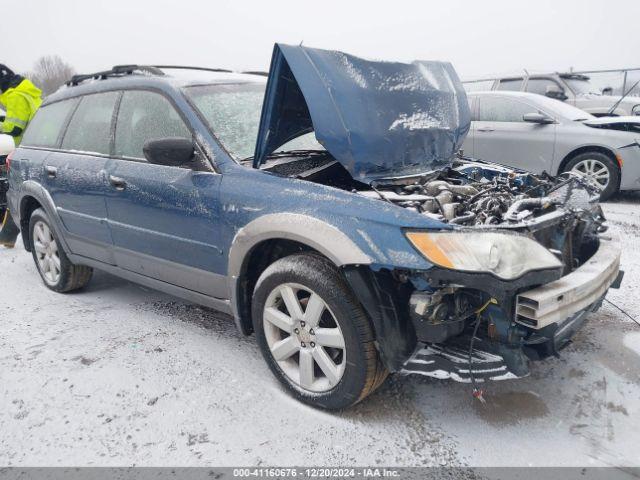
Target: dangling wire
614, 305
477, 392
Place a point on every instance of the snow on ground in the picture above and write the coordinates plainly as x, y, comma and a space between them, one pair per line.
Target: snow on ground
121, 375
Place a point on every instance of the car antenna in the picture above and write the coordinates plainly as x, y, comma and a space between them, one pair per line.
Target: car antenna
615, 105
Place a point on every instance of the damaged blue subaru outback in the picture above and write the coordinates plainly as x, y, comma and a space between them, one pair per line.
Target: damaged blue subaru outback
326, 207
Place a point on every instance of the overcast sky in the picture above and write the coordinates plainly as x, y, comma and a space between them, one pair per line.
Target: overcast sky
478, 37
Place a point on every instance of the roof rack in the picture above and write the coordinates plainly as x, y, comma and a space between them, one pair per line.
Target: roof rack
116, 71
205, 69
182, 67
122, 70
255, 72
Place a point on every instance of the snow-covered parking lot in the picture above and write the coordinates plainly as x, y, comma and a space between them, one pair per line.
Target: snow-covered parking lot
121, 375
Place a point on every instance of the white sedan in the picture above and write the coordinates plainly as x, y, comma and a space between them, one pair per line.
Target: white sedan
536, 133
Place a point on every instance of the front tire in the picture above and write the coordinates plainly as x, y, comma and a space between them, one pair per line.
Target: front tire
314, 334
599, 168
55, 268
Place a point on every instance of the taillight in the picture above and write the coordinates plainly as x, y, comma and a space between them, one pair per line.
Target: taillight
8, 161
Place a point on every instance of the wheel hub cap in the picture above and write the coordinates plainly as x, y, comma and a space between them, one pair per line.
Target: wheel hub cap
304, 334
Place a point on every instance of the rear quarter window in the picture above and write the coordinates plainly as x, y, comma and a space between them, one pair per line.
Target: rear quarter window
44, 130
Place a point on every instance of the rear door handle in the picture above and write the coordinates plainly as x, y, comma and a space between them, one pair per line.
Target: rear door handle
52, 172
117, 182
485, 129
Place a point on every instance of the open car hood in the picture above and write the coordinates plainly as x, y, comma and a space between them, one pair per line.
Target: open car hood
378, 119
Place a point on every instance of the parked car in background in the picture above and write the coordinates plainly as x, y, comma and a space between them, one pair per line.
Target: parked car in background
538, 134
375, 251
574, 89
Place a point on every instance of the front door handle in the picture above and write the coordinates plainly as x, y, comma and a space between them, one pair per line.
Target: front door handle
52, 172
117, 182
485, 129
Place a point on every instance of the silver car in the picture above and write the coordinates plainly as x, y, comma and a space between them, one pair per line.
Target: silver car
572, 88
536, 133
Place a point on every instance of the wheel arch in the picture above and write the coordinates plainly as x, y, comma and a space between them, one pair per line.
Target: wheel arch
274, 236
32, 194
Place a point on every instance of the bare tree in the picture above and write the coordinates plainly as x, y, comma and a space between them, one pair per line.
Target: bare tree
49, 73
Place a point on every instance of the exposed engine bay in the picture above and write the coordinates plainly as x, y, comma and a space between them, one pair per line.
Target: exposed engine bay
473, 195
468, 193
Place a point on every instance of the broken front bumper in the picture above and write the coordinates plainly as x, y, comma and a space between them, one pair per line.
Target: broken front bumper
553, 312
558, 301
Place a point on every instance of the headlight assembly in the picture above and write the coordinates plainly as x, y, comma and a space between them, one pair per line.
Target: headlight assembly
635, 110
505, 256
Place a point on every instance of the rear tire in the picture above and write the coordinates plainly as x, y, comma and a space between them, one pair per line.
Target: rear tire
55, 268
599, 167
298, 345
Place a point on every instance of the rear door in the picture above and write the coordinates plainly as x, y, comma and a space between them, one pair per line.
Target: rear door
76, 176
164, 220
502, 136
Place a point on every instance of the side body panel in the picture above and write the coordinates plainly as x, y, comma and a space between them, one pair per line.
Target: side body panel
165, 223
77, 184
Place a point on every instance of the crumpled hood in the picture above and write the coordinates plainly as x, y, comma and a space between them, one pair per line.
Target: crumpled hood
378, 119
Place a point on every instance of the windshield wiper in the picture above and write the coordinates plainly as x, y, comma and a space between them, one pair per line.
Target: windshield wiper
289, 153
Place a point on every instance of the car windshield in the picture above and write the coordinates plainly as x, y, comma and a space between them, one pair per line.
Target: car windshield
582, 86
233, 114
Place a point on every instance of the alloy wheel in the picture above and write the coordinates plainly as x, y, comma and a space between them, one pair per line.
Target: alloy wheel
595, 170
47, 254
304, 337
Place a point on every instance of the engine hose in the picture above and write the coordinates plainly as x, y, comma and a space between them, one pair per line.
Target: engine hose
463, 218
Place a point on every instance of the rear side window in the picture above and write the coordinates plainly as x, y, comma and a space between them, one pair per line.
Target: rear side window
512, 84
501, 109
144, 116
44, 129
540, 85
90, 128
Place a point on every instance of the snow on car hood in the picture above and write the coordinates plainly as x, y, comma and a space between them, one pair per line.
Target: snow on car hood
602, 121
378, 119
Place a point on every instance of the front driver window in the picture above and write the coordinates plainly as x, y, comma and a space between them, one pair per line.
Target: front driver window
145, 116
501, 109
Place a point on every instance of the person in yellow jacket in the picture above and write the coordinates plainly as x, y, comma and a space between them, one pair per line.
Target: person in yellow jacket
20, 99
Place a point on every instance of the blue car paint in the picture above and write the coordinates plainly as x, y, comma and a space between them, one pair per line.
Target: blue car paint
378, 119
78, 191
373, 225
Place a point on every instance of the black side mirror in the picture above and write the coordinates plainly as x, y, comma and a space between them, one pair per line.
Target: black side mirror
537, 117
172, 151
556, 93
607, 91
